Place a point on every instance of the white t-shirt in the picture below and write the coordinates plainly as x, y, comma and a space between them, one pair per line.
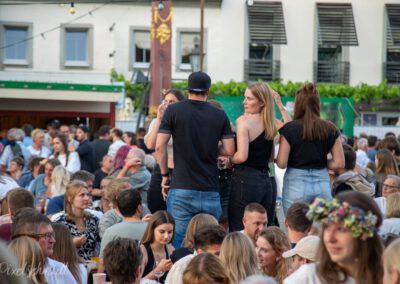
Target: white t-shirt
390, 225
112, 150
381, 202
44, 152
6, 184
176, 273
362, 158
74, 163
83, 273
57, 273
307, 274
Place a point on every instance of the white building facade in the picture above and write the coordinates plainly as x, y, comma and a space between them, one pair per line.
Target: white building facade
105, 36
354, 41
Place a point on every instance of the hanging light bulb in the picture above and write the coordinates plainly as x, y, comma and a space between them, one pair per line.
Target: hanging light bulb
72, 9
160, 5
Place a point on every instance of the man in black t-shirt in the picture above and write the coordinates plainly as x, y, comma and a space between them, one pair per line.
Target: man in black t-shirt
85, 149
196, 128
101, 145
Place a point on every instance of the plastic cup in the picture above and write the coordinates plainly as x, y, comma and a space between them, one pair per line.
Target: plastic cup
99, 278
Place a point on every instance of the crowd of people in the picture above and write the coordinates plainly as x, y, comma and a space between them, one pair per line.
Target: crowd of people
192, 199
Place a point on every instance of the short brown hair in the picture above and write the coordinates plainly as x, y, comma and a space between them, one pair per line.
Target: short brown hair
122, 257
18, 198
296, 217
255, 207
115, 187
27, 221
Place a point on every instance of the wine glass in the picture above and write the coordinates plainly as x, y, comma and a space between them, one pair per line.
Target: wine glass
157, 274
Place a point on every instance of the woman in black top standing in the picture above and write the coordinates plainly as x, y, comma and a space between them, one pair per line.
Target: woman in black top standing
256, 130
303, 148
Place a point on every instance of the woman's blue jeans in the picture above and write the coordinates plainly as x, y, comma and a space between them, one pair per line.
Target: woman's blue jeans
304, 185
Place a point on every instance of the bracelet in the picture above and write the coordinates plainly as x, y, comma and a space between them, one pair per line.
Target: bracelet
165, 175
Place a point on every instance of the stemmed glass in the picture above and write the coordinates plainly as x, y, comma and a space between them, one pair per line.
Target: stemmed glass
158, 274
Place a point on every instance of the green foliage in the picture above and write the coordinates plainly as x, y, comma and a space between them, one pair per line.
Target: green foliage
133, 91
360, 93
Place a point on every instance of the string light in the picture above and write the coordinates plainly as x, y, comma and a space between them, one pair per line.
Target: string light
72, 9
42, 34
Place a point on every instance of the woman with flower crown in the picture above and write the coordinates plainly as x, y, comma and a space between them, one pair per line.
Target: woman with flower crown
351, 250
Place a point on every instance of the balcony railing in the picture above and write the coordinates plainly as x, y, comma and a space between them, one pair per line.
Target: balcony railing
331, 72
391, 72
259, 69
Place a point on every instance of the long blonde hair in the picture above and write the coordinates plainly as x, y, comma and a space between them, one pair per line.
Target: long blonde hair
73, 189
280, 243
393, 205
263, 94
238, 256
30, 258
59, 180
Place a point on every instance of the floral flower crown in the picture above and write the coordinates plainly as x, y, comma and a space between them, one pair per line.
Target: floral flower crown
361, 223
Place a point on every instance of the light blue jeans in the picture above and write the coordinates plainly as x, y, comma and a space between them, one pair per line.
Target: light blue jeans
183, 204
304, 186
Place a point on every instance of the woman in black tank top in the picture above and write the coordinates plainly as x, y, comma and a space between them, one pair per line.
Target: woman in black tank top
256, 130
156, 246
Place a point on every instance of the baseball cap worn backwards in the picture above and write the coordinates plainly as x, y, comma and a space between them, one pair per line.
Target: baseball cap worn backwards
306, 248
199, 82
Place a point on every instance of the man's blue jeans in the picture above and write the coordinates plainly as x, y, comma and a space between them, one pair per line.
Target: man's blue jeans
183, 204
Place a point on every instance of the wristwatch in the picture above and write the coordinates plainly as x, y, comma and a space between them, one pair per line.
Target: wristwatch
165, 175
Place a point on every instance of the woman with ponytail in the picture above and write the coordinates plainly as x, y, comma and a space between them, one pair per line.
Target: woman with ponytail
256, 130
304, 146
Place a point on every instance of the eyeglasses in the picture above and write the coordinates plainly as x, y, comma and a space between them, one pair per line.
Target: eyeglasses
390, 186
47, 236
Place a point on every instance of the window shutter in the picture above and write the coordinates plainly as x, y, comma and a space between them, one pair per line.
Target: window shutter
393, 29
336, 24
266, 23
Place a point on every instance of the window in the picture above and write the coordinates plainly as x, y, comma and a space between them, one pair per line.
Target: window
266, 32
336, 31
141, 45
187, 42
77, 47
15, 37
392, 64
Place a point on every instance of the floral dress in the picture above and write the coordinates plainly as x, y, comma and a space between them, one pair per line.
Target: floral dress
87, 250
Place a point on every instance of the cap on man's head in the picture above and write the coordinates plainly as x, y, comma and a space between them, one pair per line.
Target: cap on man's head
306, 248
84, 128
199, 82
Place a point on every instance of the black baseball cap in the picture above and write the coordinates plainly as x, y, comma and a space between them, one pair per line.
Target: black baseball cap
199, 82
84, 128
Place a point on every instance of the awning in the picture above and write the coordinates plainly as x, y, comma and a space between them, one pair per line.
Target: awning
266, 23
393, 27
59, 92
336, 24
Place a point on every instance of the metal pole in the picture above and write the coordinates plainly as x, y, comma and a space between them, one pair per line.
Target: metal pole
201, 34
